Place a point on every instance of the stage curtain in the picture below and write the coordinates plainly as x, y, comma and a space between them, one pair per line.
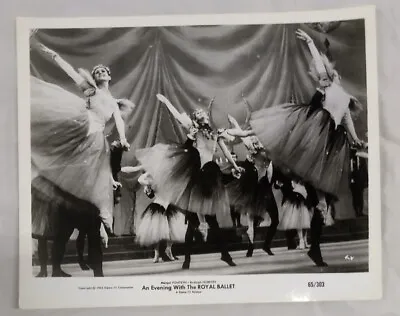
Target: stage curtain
192, 64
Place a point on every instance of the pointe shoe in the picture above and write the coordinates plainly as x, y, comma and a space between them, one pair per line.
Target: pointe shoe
306, 244
250, 234
104, 236
168, 253
302, 245
156, 257
203, 228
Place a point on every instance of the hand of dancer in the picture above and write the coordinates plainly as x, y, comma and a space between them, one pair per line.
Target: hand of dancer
116, 185
125, 145
193, 130
237, 172
149, 191
48, 51
358, 143
303, 36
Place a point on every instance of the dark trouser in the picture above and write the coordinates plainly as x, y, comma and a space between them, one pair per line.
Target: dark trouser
291, 238
42, 253
358, 198
235, 216
273, 213
193, 224
86, 221
317, 223
80, 245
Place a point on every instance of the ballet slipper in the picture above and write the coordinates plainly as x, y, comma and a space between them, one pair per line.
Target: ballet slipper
306, 244
156, 256
168, 253
203, 228
302, 245
103, 236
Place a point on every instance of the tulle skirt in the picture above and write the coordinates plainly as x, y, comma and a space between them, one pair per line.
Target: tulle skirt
294, 216
207, 194
244, 192
306, 141
172, 167
47, 200
158, 223
180, 180
62, 150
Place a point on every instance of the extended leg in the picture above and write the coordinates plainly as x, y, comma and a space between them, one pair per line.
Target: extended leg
193, 223
314, 253
43, 257
80, 246
213, 224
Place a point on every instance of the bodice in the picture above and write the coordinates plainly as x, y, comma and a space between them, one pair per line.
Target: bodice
206, 147
299, 188
101, 106
336, 102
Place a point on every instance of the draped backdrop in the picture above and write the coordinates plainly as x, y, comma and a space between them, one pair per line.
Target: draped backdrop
192, 64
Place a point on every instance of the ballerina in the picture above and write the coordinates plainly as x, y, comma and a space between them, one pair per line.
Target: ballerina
193, 179
296, 212
313, 141
69, 148
160, 221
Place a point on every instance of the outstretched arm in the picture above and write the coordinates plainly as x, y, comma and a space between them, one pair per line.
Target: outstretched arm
227, 154
240, 133
129, 169
313, 50
68, 69
237, 130
183, 119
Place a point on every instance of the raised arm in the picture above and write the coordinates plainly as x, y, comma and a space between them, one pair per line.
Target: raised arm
313, 50
182, 118
68, 69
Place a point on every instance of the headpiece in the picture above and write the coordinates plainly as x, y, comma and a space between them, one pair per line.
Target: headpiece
98, 67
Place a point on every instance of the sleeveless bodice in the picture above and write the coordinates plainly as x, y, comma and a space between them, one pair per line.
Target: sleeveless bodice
206, 147
299, 188
101, 105
336, 102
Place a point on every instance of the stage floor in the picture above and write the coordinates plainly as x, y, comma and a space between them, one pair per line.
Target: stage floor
342, 257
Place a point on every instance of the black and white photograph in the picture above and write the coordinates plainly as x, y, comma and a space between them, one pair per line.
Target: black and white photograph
186, 150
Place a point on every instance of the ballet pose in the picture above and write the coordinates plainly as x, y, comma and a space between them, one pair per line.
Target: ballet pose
295, 211
313, 141
245, 193
160, 221
193, 179
69, 148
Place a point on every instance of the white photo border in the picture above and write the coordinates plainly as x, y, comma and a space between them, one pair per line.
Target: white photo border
43, 293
